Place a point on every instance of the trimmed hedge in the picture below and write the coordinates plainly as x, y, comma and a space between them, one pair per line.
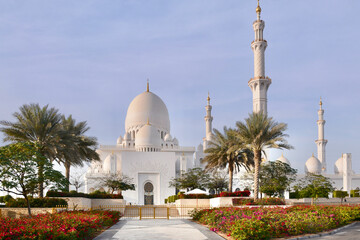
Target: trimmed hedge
340, 194
5, 199
244, 193
264, 201
355, 193
94, 195
36, 203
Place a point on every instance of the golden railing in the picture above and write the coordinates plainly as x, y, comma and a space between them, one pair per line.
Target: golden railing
143, 211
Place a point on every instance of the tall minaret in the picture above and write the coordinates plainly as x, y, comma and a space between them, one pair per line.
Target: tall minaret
208, 123
321, 142
259, 84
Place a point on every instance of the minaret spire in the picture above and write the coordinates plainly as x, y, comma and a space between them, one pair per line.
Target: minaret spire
208, 123
259, 84
147, 86
321, 142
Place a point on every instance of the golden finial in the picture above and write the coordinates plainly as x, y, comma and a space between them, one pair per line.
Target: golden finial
313, 154
148, 121
147, 86
208, 98
320, 102
258, 8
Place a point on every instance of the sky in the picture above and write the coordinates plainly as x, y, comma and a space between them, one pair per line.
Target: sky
91, 58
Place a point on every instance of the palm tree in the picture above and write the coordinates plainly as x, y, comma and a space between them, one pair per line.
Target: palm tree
75, 147
260, 132
227, 151
39, 125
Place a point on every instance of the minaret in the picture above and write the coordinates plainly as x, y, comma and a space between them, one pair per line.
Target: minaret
321, 142
208, 123
259, 84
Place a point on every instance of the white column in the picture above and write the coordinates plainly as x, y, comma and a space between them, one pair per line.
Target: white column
347, 172
208, 124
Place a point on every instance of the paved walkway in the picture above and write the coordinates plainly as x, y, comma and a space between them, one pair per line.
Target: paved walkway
348, 233
158, 229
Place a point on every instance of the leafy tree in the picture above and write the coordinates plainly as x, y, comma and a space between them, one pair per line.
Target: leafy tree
260, 132
276, 177
75, 148
314, 186
227, 151
18, 170
217, 182
39, 125
117, 182
192, 179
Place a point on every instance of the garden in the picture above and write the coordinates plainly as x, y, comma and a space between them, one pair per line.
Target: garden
63, 225
267, 223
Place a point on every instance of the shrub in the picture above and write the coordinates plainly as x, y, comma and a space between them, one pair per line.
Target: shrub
294, 195
195, 196
5, 199
264, 201
355, 193
340, 194
244, 193
36, 203
96, 194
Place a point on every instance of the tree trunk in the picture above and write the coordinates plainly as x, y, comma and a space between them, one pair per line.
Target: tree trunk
67, 174
41, 180
231, 170
257, 159
28, 204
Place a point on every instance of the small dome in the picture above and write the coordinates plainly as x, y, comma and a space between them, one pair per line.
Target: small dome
313, 165
148, 136
167, 137
119, 140
339, 166
175, 141
127, 136
283, 159
147, 105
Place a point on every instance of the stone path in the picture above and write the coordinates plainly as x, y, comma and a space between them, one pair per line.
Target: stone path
158, 229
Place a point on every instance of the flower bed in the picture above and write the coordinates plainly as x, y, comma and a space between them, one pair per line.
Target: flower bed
64, 225
266, 223
264, 201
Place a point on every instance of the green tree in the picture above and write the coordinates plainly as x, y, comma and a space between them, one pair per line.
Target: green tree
192, 179
276, 177
227, 151
260, 132
217, 182
314, 186
18, 170
117, 182
39, 125
75, 148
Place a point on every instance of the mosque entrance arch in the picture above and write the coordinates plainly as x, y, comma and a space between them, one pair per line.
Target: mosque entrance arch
148, 194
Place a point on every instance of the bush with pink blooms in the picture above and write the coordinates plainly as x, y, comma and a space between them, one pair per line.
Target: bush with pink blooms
64, 225
266, 223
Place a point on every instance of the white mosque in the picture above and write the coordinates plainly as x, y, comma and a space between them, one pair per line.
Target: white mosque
147, 153
152, 157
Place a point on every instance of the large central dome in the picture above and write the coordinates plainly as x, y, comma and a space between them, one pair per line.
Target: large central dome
145, 107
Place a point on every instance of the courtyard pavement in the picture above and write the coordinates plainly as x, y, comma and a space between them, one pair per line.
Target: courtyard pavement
158, 229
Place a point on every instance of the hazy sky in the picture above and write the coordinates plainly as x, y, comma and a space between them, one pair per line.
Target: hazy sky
91, 58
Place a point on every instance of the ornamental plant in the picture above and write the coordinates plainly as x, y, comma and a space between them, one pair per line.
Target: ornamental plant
65, 225
277, 222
